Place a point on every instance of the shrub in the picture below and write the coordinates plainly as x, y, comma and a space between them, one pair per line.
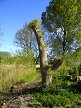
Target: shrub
59, 95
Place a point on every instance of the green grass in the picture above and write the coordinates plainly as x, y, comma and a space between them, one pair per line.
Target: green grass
29, 77
10, 74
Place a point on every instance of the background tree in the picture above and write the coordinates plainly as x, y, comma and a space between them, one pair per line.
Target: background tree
3, 55
25, 39
62, 20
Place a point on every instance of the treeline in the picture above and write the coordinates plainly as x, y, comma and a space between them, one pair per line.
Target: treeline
19, 58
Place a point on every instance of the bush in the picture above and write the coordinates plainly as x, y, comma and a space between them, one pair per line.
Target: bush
60, 98
58, 94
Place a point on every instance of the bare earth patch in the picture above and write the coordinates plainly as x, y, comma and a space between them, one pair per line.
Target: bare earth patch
21, 97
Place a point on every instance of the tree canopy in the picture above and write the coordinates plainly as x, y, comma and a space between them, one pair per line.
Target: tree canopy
62, 20
25, 39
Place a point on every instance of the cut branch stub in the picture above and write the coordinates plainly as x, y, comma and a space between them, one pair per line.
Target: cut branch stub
34, 24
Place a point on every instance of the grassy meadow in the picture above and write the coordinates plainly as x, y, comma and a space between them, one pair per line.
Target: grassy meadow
16, 69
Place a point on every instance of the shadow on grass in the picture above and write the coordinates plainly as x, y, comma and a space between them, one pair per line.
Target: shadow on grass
6, 96
76, 87
31, 89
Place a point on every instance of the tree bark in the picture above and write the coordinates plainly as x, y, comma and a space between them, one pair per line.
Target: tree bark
46, 78
42, 54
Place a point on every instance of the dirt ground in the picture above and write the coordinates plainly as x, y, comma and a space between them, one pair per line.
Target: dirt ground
21, 96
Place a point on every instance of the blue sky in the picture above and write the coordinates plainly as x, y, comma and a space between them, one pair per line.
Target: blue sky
13, 15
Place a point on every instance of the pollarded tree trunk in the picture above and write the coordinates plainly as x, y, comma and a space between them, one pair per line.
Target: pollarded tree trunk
46, 78
42, 54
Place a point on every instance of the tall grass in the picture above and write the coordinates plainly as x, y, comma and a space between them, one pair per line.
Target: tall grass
12, 73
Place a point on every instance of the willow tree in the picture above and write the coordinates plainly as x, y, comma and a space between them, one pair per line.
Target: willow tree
35, 26
62, 19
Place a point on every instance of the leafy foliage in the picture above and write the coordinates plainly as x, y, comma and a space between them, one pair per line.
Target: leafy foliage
62, 20
58, 95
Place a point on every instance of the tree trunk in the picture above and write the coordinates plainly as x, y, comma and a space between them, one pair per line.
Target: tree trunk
64, 43
42, 55
46, 78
